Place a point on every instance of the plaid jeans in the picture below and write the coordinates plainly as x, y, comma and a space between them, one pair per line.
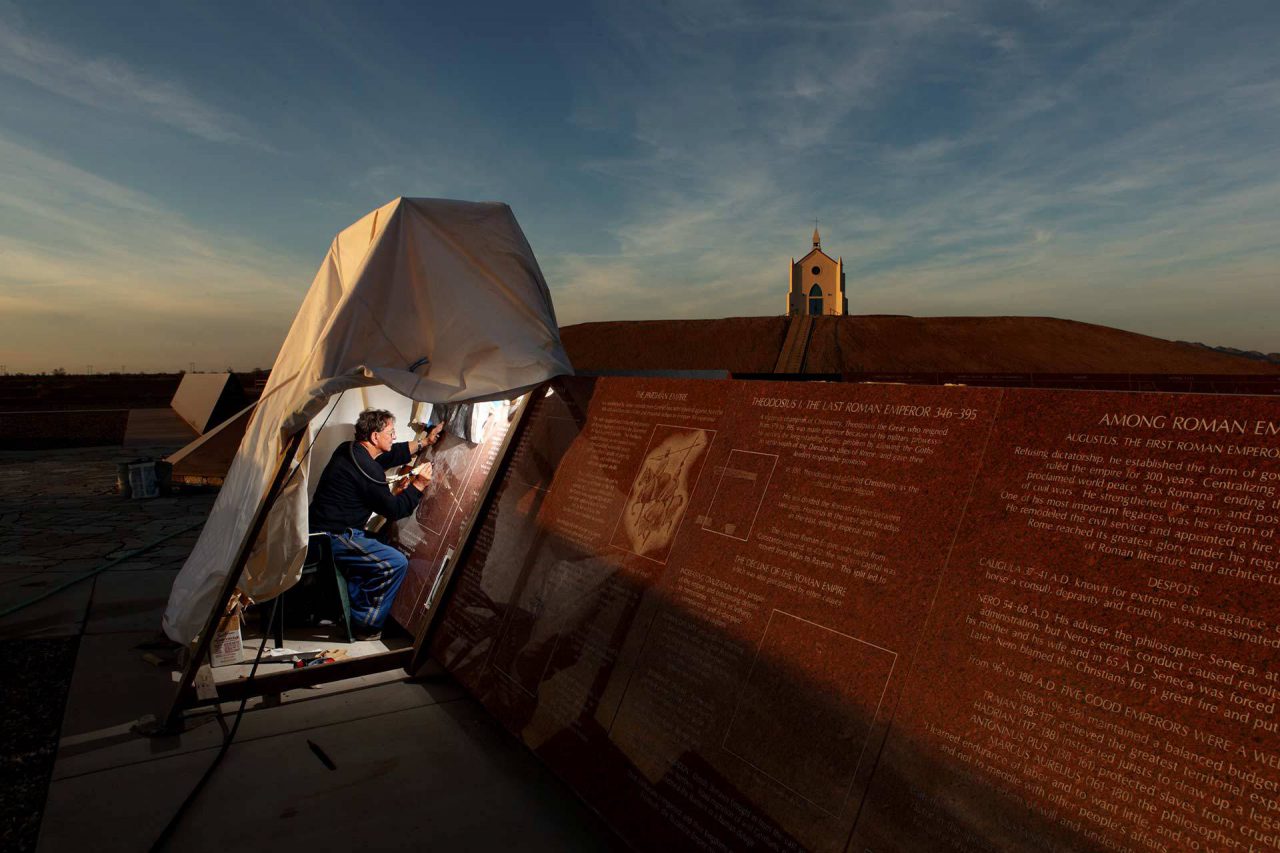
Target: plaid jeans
374, 572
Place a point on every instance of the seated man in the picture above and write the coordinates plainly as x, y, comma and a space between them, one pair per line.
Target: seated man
354, 485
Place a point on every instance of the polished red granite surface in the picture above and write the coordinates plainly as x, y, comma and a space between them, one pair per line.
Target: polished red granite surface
696, 596
432, 533
1101, 670
752, 615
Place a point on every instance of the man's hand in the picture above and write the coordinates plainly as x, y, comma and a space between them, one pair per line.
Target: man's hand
430, 438
423, 478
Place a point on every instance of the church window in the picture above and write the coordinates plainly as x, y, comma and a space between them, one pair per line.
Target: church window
817, 270
815, 301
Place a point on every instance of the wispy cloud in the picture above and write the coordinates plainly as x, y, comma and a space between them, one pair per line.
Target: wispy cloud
1112, 164
111, 84
1113, 168
94, 272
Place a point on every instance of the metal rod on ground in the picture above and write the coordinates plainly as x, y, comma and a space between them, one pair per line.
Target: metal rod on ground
172, 720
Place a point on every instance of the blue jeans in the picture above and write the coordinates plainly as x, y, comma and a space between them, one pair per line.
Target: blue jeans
374, 572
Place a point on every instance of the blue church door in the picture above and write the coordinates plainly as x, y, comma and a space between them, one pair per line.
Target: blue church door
815, 301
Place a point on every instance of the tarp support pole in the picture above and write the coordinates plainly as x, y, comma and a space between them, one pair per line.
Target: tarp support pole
172, 721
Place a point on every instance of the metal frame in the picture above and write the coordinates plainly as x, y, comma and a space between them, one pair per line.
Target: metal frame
412, 660
443, 586
296, 679
173, 718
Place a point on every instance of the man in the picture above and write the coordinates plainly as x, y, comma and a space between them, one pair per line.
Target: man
354, 485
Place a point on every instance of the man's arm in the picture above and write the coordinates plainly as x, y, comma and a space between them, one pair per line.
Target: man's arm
399, 454
402, 451
389, 506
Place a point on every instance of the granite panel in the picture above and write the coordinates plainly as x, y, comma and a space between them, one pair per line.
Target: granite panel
431, 535
692, 599
1100, 670
753, 615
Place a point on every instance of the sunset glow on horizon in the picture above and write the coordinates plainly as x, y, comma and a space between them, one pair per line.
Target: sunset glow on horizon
171, 176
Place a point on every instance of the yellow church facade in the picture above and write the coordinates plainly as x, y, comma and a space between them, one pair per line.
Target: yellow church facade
817, 283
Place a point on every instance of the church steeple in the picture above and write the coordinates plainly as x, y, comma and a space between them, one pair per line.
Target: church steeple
817, 283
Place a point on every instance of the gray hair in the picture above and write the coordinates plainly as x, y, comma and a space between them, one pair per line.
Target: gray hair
371, 421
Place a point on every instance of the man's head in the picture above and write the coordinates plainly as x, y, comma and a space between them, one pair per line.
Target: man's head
377, 427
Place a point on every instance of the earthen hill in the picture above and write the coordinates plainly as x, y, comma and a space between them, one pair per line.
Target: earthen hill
879, 343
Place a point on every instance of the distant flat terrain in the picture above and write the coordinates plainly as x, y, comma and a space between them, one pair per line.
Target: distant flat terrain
69, 391
32, 392
45, 411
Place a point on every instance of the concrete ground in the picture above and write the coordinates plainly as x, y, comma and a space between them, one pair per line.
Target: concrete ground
414, 764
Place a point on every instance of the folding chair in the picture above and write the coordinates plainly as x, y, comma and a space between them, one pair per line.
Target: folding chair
321, 592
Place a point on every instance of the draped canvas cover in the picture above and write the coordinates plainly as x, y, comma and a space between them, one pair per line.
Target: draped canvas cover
438, 301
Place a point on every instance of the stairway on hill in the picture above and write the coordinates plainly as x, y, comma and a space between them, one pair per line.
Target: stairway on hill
791, 358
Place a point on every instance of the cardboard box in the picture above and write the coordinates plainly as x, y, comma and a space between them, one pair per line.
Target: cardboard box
228, 645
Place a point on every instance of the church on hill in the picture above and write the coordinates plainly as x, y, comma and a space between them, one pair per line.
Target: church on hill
817, 283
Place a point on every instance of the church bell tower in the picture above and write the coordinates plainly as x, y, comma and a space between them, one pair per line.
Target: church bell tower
817, 283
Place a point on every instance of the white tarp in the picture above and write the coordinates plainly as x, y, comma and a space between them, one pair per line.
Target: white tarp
439, 301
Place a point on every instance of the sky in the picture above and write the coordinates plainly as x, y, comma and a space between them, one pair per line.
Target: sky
172, 173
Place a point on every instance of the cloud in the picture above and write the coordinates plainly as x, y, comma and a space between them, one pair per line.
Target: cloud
94, 272
110, 84
1113, 168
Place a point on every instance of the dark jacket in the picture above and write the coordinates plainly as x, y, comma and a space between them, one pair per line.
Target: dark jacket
354, 485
